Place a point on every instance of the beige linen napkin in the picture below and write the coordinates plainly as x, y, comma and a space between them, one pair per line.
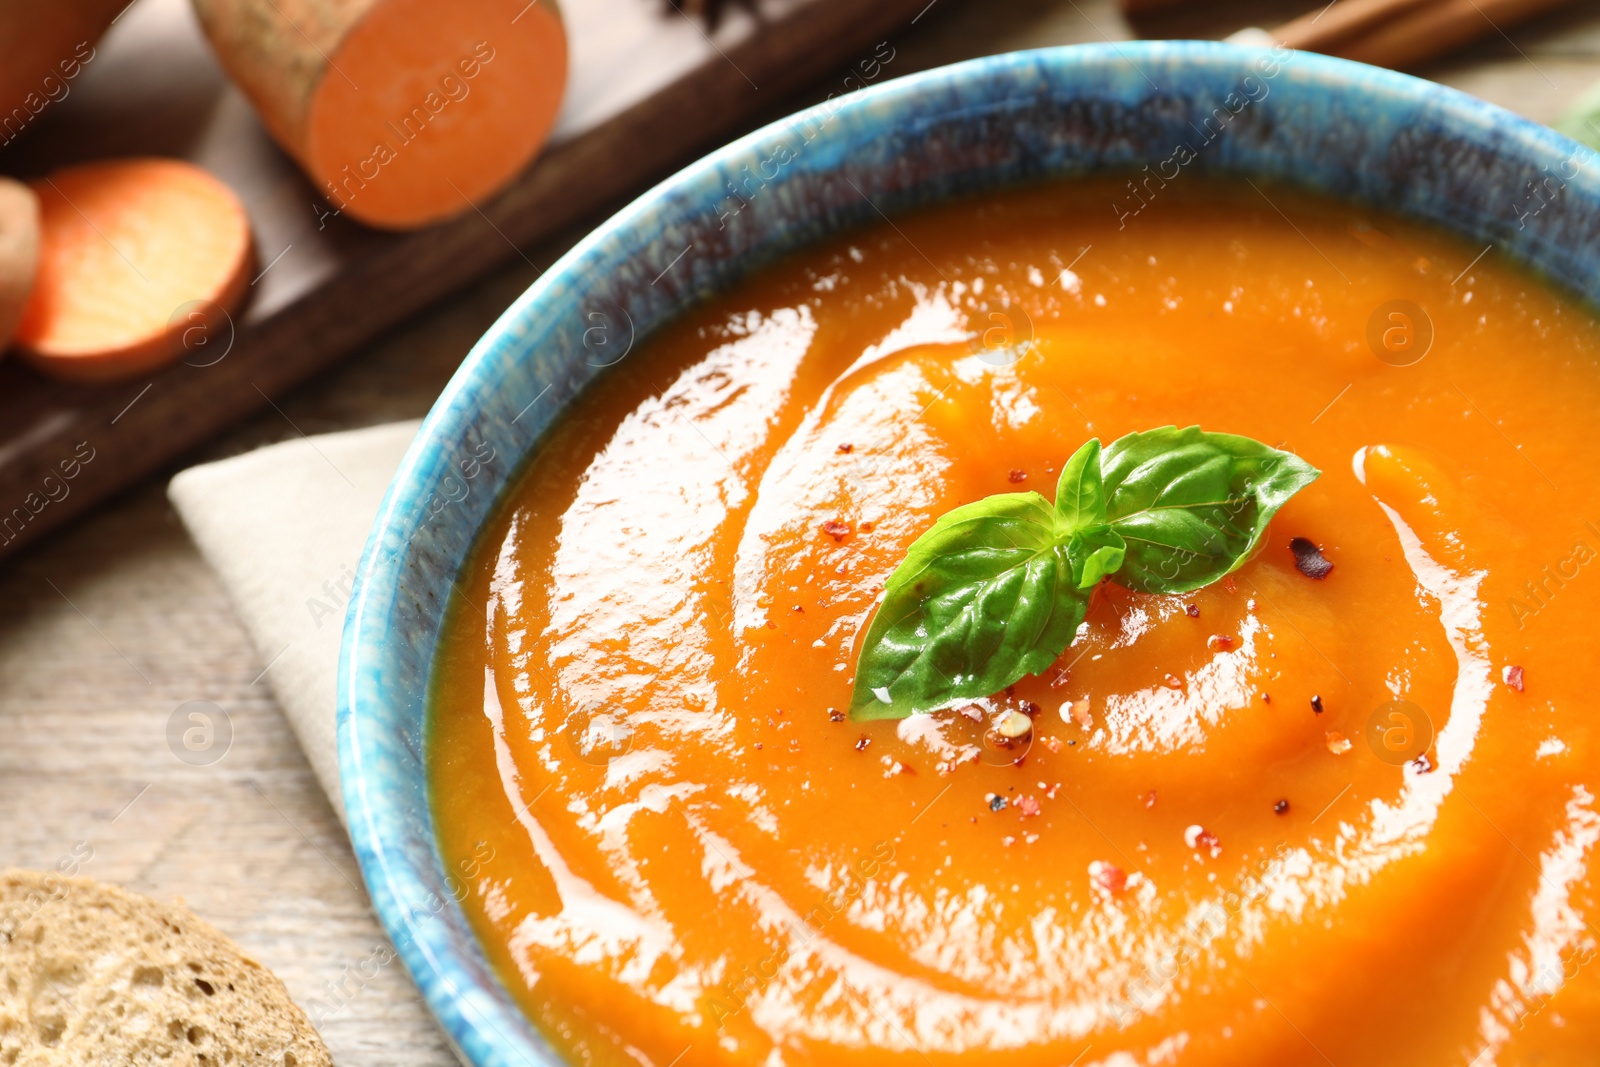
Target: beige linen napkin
284, 527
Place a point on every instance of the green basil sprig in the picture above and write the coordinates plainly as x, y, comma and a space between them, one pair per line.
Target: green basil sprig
996, 589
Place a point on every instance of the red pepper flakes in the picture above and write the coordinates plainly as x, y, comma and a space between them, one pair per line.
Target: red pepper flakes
1513, 678
1060, 679
1016, 475
1150, 799
861, 745
1266, 698
1051, 744
1219, 642
1281, 807
1108, 878
1200, 839
1229, 585
836, 529
835, 715
799, 609
970, 711
1423, 764
1316, 703
1192, 610
845, 449
1172, 681
1028, 806
758, 746
866, 527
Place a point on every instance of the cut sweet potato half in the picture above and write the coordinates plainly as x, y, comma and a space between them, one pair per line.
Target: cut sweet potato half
403, 112
19, 253
44, 47
134, 255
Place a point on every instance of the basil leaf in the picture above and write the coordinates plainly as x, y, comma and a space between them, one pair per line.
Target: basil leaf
1192, 506
983, 598
1080, 492
1095, 553
997, 589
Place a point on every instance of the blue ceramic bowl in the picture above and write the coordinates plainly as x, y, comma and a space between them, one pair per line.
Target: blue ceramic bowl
1176, 108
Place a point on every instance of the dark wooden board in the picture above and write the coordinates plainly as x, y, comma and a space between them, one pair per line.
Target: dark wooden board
649, 90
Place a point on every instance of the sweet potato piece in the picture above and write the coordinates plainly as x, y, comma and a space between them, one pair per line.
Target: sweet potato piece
19, 253
43, 47
133, 253
403, 112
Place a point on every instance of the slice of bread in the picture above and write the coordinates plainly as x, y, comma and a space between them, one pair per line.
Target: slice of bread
94, 974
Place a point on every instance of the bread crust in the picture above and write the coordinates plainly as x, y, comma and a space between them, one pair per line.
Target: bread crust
91, 973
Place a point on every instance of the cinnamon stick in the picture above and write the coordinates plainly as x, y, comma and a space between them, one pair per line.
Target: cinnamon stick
1438, 28
1330, 25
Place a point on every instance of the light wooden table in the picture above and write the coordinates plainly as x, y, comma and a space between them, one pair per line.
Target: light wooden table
112, 624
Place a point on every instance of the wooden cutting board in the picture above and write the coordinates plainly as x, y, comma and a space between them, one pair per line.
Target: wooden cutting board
649, 87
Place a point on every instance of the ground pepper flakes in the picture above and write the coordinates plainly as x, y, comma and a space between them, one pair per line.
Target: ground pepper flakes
1513, 677
836, 529
1200, 839
1108, 878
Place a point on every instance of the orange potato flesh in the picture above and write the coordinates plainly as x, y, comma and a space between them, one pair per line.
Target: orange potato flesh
131, 250
427, 108
675, 854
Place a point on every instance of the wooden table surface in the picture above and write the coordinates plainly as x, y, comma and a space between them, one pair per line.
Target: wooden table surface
112, 623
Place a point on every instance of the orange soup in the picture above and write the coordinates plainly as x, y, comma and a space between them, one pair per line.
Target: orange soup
1298, 816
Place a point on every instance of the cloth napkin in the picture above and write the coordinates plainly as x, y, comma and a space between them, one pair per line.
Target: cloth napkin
284, 527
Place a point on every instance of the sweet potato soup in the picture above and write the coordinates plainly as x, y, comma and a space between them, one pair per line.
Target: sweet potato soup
1336, 807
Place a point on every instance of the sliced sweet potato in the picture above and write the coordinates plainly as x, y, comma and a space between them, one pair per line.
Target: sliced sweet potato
403, 112
19, 253
131, 252
44, 46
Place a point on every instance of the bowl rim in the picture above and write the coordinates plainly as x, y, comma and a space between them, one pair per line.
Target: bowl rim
372, 814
